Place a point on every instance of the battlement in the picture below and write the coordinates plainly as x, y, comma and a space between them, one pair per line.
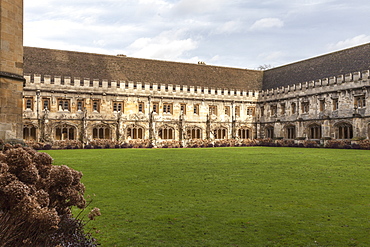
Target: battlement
333, 83
98, 86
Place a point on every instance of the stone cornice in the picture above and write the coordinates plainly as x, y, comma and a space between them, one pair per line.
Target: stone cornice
11, 76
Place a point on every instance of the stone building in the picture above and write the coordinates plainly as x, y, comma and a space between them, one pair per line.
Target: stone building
82, 96
11, 69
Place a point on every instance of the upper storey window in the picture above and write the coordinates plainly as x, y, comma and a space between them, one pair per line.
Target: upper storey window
335, 104
155, 107
141, 107
28, 103
251, 111
294, 108
360, 101
46, 104
183, 108
167, 108
212, 110
196, 109
64, 104
305, 107
96, 106
117, 106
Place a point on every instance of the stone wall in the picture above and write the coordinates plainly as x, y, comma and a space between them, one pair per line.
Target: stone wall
11, 69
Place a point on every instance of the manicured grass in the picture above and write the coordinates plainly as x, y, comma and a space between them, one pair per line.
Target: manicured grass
250, 196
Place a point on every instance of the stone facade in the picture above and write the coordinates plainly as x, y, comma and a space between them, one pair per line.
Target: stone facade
68, 107
11, 69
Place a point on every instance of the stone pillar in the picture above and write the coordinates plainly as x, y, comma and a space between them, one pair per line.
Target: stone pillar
11, 69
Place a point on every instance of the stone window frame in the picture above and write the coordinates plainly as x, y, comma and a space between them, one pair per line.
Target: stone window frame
273, 110
167, 108
220, 133
183, 108
102, 132
343, 131
118, 106
282, 109
155, 107
293, 107
244, 133
69, 131
314, 131
335, 104
28, 103
359, 101
322, 105
166, 133
46, 104
290, 132
95, 105
269, 132
64, 104
237, 111
227, 110
141, 107
29, 132
196, 109
135, 132
194, 132
251, 111
80, 105
212, 109
305, 107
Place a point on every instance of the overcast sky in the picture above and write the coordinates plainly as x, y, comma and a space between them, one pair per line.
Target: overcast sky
233, 33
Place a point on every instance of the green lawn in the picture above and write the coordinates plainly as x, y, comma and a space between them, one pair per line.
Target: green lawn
251, 196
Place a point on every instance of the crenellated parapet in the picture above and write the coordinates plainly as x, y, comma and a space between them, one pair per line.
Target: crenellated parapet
348, 81
130, 88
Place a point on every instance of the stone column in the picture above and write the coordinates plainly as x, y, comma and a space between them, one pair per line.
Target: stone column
11, 69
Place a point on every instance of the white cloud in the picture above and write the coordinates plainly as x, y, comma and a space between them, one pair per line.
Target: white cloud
267, 23
358, 40
198, 6
168, 45
229, 27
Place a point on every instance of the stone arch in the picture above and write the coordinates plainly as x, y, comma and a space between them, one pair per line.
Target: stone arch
245, 132
65, 131
194, 132
290, 131
102, 131
314, 131
269, 132
135, 132
343, 130
29, 132
166, 132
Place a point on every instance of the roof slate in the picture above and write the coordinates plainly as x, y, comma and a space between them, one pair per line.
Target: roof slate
338, 63
106, 67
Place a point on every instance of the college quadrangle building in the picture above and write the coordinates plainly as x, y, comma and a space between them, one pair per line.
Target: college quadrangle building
82, 96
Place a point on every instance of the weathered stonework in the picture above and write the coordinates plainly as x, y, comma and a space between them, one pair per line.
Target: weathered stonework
11, 69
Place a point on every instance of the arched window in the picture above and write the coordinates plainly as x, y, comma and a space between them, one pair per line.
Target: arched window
344, 131
220, 133
65, 132
29, 133
314, 131
166, 133
244, 133
102, 132
269, 132
194, 133
135, 132
290, 132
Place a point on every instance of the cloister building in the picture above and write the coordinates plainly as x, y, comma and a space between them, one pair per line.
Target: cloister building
82, 96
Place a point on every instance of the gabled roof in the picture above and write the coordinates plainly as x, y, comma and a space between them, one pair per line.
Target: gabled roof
95, 66
337, 63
